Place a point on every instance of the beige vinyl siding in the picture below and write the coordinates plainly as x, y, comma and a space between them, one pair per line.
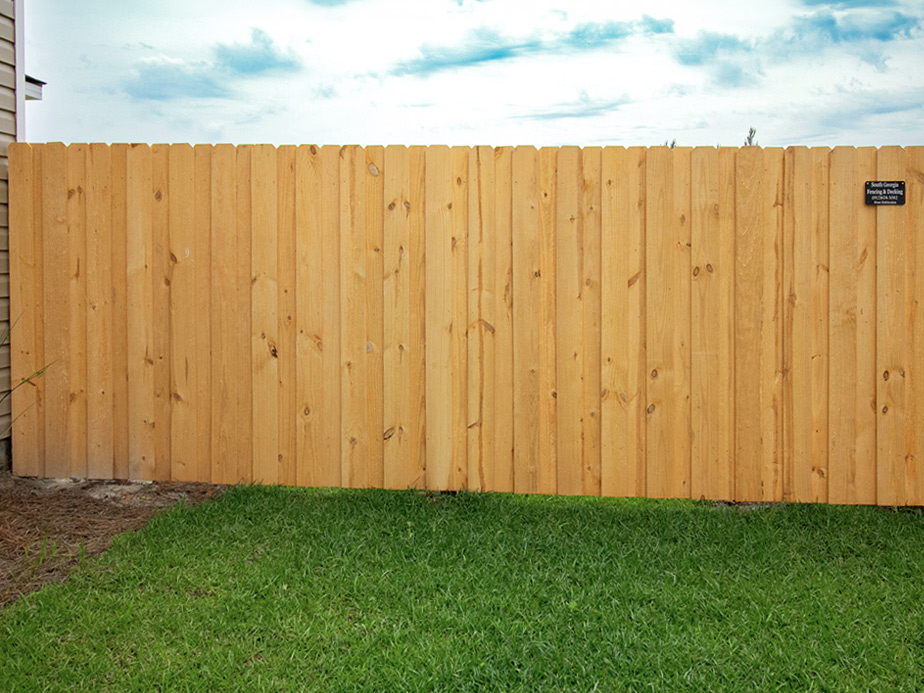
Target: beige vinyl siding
7, 135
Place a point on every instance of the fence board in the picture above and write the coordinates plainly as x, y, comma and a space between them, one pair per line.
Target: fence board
99, 313
265, 315
712, 384
374, 176
525, 210
201, 260
481, 391
162, 277
914, 166
892, 353
439, 318
309, 317
77, 309
591, 308
771, 348
503, 321
668, 319
183, 391
546, 315
140, 301
286, 263
417, 220
569, 328
118, 155
458, 325
684, 323
25, 296
224, 314
397, 357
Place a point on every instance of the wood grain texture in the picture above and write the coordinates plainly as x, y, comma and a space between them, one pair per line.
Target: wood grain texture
438, 317
397, 322
286, 369
712, 330
546, 321
591, 167
353, 276
140, 306
25, 309
184, 371
161, 316
264, 297
525, 213
724, 324
503, 320
76, 309
668, 322
481, 309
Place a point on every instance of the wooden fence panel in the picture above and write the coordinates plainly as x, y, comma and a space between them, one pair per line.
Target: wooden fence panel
723, 324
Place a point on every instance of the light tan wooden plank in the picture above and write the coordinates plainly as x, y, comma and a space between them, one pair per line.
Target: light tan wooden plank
623, 359
525, 311
162, 290
224, 317
843, 324
310, 269
99, 313
771, 392
77, 309
806, 409
570, 315
397, 328
26, 308
891, 348
264, 298
503, 320
439, 317
914, 320
668, 318
591, 307
242, 335
140, 310
417, 222
119, 154
329, 469
201, 253
481, 392
748, 323
286, 311
55, 266
353, 278
547, 285
863, 489
712, 393
374, 174
458, 288
180, 252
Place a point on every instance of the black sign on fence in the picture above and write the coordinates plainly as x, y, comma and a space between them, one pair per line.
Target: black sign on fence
885, 192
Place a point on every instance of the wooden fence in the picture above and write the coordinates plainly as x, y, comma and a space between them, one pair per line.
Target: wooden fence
718, 323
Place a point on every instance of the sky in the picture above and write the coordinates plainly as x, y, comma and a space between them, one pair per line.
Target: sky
478, 72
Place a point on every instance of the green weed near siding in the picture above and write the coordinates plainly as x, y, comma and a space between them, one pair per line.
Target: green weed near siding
282, 589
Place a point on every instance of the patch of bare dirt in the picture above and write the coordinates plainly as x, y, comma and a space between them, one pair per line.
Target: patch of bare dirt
48, 525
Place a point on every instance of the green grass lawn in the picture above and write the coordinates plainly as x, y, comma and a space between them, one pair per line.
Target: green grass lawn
284, 589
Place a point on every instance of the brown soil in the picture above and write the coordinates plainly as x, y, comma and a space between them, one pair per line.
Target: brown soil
47, 525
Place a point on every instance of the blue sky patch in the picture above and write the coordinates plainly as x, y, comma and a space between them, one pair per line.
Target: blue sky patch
487, 45
168, 80
258, 56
